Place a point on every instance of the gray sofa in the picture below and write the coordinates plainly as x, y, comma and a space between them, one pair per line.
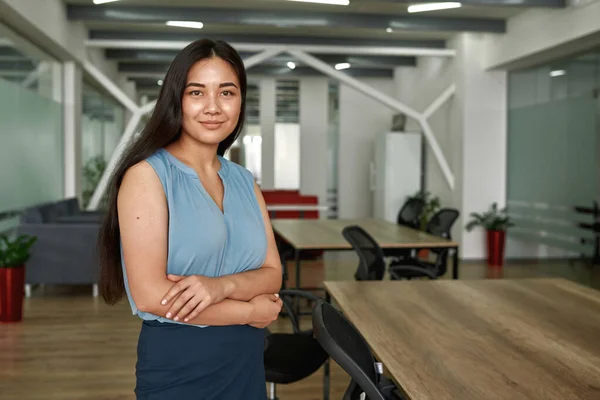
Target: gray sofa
65, 250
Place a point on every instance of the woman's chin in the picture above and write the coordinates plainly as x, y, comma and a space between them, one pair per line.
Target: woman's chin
210, 138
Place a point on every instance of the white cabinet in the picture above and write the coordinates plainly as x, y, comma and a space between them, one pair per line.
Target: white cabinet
396, 171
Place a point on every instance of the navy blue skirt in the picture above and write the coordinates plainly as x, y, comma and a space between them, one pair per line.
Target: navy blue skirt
186, 362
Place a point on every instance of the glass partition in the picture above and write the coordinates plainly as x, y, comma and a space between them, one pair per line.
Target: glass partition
553, 148
102, 125
287, 135
31, 134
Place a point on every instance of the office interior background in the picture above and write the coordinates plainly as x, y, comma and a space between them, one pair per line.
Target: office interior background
503, 97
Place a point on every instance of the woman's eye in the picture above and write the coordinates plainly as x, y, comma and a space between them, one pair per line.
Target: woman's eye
227, 93
195, 93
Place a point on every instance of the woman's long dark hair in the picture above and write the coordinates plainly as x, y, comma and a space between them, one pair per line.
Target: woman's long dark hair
163, 128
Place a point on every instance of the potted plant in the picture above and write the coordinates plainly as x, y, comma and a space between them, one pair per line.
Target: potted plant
92, 172
495, 221
432, 205
14, 253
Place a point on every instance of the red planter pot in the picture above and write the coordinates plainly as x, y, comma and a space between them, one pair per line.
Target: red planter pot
12, 282
496, 241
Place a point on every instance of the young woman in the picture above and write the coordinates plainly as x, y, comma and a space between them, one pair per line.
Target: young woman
187, 238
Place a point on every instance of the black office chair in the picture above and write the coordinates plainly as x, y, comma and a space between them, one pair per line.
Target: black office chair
372, 263
439, 225
409, 216
291, 357
342, 341
410, 213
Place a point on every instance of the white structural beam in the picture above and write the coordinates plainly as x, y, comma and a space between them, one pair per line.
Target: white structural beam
264, 55
316, 49
437, 103
384, 99
110, 86
34, 75
110, 167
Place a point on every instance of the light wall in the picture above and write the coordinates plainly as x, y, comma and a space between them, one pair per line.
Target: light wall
361, 120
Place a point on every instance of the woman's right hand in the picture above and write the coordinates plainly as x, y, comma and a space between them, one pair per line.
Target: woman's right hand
266, 308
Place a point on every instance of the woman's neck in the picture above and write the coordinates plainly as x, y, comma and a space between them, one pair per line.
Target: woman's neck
197, 155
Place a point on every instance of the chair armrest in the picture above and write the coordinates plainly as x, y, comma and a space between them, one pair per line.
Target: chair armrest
286, 294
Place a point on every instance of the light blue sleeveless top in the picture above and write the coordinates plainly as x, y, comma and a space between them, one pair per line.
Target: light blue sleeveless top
202, 239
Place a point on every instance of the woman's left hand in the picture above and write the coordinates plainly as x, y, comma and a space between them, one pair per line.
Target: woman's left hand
196, 293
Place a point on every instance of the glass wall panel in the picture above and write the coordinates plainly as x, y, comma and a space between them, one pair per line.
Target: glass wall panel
553, 150
102, 125
287, 135
251, 149
31, 134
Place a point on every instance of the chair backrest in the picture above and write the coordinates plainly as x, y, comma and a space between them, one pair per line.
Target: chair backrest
410, 213
344, 344
372, 259
441, 223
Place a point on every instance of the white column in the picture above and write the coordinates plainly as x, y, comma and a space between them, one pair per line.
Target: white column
72, 89
484, 131
314, 99
267, 106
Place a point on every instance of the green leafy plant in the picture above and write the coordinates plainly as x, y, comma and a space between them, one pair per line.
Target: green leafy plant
493, 219
15, 252
92, 172
432, 205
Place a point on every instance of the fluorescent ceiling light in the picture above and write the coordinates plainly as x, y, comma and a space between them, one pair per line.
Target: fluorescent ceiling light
335, 2
558, 72
291, 65
104, 1
433, 6
342, 66
186, 24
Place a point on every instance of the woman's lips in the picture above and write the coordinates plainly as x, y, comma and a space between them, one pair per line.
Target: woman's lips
211, 124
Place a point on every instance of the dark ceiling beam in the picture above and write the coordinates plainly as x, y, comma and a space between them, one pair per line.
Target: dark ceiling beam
493, 3
281, 18
19, 65
279, 39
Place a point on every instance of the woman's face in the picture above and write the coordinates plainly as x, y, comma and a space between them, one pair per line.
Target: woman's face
211, 101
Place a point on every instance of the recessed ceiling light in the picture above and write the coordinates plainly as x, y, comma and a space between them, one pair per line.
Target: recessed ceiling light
341, 66
291, 65
558, 72
433, 6
186, 24
334, 2
389, 30
160, 82
104, 1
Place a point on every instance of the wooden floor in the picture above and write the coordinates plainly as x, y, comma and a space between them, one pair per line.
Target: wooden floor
72, 346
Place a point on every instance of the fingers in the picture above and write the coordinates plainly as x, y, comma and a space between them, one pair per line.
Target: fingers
182, 300
196, 311
175, 289
175, 278
196, 304
274, 297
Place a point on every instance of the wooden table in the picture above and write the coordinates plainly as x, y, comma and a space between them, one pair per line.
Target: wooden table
480, 340
326, 234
